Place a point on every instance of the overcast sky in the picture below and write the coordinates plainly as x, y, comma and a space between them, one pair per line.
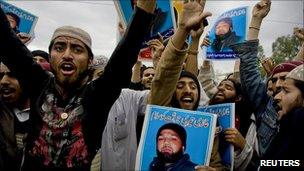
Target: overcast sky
99, 18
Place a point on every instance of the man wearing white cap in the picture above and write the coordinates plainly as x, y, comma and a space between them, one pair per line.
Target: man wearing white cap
287, 144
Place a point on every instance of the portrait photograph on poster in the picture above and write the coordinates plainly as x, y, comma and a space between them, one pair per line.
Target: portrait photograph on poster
175, 136
230, 28
163, 23
21, 21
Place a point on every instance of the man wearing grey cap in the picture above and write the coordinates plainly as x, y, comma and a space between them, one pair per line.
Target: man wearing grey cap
68, 114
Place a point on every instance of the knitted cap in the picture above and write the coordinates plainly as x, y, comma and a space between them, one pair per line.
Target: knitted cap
286, 66
176, 128
297, 73
74, 32
41, 53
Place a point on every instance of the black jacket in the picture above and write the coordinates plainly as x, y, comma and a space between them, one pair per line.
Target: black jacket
221, 43
184, 164
288, 143
98, 96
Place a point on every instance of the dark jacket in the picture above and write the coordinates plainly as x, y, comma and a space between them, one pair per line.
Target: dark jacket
287, 144
10, 154
95, 98
184, 164
221, 43
255, 91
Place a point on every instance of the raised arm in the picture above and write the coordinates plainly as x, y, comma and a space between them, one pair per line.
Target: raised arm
119, 68
260, 10
157, 47
170, 64
136, 72
191, 60
15, 55
251, 79
206, 79
299, 33
103, 92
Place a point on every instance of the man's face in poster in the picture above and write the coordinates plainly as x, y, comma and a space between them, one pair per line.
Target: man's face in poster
222, 28
12, 21
169, 146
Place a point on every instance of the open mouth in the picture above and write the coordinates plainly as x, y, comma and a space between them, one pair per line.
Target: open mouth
67, 68
220, 94
277, 107
187, 100
6, 91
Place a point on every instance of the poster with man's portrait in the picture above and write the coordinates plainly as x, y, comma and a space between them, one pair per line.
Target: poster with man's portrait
230, 28
20, 20
163, 22
226, 119
175, 136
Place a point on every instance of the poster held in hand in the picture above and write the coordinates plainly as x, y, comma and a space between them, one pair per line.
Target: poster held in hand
199, 129
226, 119
163, 22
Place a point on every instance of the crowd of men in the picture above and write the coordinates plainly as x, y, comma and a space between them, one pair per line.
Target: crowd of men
65, 110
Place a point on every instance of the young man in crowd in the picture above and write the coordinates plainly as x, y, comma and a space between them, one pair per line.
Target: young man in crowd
119, 143
14, 120
252, 83
289, 102
170, 86
42, 58
67, 114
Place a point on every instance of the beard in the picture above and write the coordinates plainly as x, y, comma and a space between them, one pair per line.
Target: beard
170, 158
72, 83
214, 100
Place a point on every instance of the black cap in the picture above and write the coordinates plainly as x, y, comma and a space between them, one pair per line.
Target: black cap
41, 53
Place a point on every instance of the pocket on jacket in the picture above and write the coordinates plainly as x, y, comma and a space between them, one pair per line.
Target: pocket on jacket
121, 127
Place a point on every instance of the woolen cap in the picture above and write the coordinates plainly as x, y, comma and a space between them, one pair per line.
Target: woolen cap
74, 32
286, 66
297, 73
41, 53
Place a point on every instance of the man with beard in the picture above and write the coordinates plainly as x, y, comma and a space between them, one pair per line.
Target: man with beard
289, 102
170, 86
171, 144
14, 123
224, 35
243, 136
253, 85
68, 113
